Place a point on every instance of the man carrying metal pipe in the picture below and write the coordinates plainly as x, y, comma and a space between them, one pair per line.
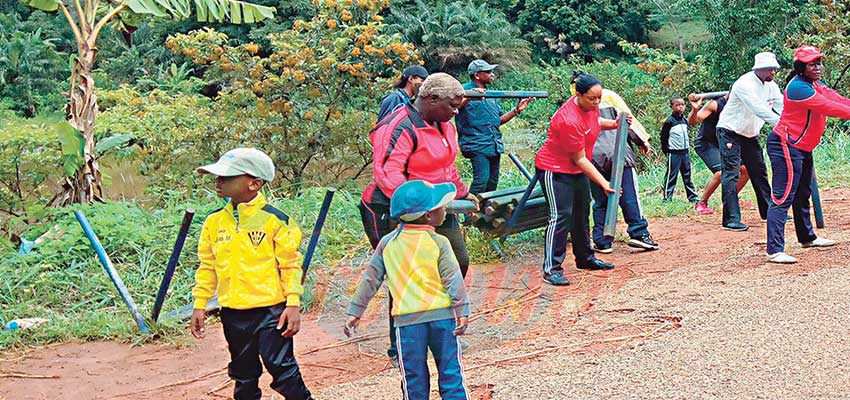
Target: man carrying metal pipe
478, 122
603, 153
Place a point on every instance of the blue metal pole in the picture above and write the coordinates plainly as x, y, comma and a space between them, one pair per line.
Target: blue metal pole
620, 145
110, 270
172, 263
519, 207
519, 165
317, 231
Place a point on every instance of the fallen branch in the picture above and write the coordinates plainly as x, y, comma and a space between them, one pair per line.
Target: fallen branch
26, 376
345, 343
567, 346
220, 386
300, 364
216, 372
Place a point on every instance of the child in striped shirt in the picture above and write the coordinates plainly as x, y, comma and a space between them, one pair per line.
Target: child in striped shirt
430, 306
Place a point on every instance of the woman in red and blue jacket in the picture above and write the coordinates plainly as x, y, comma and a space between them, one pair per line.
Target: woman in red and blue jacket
808, 102
416, 141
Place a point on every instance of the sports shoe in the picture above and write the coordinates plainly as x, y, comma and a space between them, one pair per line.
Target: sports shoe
595, 265
643, 242
744, 204
736, 227
556, 279
703, 209
781, 258
394, 361
464, 345
602, 248
819, 242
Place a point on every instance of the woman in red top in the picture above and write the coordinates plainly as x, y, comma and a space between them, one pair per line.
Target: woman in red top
563, 168
808, 102
416, 141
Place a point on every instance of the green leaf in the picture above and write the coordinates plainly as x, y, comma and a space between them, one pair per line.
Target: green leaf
72, 147
44, 5
111, 143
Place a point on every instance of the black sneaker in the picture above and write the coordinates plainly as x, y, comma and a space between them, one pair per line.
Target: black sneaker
596, 264
736, 227
643, 242
556, 279
602, 248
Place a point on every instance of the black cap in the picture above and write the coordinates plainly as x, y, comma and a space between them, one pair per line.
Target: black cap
415, 70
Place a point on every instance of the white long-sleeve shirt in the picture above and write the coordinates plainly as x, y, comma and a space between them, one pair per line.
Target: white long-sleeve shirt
751, 104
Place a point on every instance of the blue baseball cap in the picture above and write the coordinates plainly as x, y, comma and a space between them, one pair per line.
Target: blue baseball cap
415, 198
479, 66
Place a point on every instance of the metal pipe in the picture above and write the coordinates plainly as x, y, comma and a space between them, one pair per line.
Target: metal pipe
519, 165
499, 193
172, 263
706, 95
617, 176
461, 207
520, 205
317, 231
110, 270
506, 94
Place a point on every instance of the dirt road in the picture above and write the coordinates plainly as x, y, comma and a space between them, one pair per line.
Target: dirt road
703, 317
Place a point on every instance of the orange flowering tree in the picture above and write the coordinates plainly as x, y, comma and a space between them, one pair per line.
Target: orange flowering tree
312, 100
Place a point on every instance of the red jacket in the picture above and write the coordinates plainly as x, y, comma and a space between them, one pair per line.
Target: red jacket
807, 104
570, 130
405, 148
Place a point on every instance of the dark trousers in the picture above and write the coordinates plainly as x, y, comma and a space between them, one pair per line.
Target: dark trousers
679, 163
734, 150
792, 188
568, 196
485, 172
414, 341
377, 223
253, 335
629, 203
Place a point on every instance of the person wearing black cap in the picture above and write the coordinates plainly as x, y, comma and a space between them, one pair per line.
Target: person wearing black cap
407, 87
478, 128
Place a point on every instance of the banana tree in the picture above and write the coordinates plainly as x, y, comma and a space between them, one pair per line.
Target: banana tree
87, 18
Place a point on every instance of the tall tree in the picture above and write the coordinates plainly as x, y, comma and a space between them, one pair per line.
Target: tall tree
87, 18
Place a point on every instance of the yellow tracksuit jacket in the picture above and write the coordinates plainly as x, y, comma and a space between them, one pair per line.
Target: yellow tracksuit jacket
253, 262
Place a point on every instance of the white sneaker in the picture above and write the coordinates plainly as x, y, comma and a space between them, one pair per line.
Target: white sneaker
781, 258
819, 242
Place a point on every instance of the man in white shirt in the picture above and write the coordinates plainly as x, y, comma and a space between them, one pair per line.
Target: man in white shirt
754, 99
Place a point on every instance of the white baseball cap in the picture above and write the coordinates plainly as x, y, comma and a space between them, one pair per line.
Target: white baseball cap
765, 60
242, 161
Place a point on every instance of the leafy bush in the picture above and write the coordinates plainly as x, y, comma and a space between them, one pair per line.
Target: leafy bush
31, 69
450, 35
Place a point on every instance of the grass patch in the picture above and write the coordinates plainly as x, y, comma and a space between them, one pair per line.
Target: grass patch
692, 31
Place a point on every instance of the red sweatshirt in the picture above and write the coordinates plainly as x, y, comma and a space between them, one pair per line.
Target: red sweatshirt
807, 104
405, 148
570, 130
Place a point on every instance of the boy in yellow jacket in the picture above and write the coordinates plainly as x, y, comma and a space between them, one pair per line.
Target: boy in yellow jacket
248, 252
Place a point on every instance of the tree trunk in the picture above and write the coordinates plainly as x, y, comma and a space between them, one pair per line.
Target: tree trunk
86, 185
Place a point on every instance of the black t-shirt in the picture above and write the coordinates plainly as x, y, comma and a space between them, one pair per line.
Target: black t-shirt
708, 129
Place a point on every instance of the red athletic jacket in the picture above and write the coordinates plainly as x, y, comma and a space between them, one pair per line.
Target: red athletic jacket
807, 104
405, 148
570, 130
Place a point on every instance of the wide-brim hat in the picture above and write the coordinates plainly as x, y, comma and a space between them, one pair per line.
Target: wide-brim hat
415, 198
765, 60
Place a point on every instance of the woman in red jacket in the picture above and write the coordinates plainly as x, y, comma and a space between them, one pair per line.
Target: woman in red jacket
563, 168
416, 141
808, 102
